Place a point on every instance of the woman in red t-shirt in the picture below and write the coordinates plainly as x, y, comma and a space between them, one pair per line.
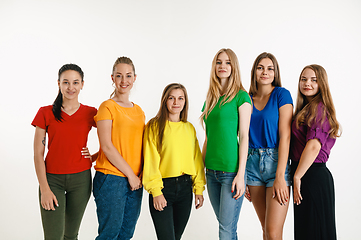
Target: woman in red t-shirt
64, 177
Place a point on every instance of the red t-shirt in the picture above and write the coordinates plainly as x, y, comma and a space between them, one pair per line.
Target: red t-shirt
66, 138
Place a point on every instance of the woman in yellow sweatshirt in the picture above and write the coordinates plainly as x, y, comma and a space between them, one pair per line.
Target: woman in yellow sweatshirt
173, 165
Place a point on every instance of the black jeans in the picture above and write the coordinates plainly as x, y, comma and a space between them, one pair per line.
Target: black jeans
170, 223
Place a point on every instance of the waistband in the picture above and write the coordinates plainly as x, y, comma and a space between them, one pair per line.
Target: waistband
262, 150
314, 165
180, 178
216, 171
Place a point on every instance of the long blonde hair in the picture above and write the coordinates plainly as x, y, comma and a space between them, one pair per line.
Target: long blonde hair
306, 111
157, 124
215, 88
119, 60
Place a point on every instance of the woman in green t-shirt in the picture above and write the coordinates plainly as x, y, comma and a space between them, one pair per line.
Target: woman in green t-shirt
226, 114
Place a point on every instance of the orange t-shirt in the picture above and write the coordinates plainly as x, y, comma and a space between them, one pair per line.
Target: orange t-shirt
127, 135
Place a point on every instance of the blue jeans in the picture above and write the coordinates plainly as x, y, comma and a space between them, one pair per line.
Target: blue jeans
118, 207
262, 166
225, 207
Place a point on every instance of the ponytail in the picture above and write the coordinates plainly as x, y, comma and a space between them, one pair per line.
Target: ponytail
58, 103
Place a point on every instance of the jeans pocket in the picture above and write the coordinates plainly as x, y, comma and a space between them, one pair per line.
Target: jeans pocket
98, 183
273, 155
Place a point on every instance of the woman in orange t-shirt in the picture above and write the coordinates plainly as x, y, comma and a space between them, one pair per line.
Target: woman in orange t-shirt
117, 185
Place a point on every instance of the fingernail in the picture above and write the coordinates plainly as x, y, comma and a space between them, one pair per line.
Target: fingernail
232, 191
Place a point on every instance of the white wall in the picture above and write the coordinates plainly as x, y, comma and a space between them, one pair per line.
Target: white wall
169, 41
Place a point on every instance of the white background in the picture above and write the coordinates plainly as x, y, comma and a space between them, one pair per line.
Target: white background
169, 41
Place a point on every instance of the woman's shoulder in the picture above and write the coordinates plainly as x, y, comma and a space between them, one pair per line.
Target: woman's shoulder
281, 90
136, 106
243, 96
46, 109
89, 108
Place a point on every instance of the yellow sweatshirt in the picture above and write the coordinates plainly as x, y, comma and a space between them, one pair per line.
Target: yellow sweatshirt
180, 155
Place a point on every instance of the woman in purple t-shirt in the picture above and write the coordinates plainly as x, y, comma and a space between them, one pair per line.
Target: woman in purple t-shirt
314, 131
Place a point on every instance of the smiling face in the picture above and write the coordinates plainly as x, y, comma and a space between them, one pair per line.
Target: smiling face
265, 72
175, 102
123, 77
70, 83
223, 66
308, 84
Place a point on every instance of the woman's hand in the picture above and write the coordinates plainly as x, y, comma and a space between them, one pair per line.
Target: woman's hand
85, 152
159, 202
247, 194
134, 182
198, 200
238, 186
297, 191
280, 190
48, 200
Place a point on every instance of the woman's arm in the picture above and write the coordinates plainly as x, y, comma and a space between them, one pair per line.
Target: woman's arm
238, 184
105, 139
280, 189
308, 156
48, 198
204, 150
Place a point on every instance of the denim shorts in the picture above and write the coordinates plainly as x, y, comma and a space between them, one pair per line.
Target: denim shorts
262, 166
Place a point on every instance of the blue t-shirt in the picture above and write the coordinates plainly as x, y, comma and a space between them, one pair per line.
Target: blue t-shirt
263, 130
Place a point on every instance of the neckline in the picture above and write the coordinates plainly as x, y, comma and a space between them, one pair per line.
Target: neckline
254, 106
122, 106
80, 105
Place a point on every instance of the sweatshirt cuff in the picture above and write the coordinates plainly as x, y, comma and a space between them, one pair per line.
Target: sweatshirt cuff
157, 192
198, 191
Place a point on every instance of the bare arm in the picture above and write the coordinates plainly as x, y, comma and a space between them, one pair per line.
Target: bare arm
280, 189
308, 156
105, 139
238, 184
48, 198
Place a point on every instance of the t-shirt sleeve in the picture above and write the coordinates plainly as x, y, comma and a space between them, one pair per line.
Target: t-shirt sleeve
243, 97
318, 131
204, 106
93, 113
40, 120
104, 112
284, 97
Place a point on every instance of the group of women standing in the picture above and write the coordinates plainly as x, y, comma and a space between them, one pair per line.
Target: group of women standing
249, 141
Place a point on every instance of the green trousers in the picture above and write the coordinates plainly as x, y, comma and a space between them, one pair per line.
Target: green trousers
72, 192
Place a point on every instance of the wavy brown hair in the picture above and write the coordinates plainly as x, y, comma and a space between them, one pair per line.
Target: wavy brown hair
277, 77
157, 124
306, 111
215, 88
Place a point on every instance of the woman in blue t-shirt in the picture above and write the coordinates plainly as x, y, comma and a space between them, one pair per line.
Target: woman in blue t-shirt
268, 174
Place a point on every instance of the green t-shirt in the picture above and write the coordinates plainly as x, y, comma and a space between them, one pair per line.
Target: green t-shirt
222, 134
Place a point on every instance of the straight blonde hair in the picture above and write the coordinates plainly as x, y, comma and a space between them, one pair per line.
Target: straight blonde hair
215, 88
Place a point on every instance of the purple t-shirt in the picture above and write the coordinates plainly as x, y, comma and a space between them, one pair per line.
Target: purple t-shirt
318, 131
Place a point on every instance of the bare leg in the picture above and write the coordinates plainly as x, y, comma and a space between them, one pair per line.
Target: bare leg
275, 216
258, 195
